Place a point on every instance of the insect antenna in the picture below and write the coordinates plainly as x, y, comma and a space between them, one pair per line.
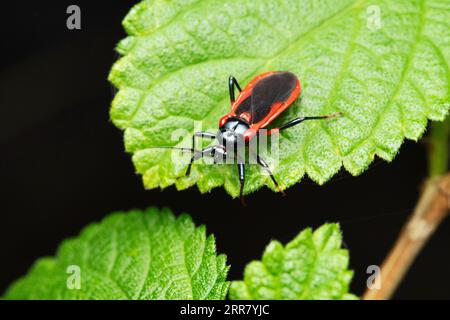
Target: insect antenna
191, 150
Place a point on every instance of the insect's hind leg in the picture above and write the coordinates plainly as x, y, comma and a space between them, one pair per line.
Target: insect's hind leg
264, 164
231, 83
301, 119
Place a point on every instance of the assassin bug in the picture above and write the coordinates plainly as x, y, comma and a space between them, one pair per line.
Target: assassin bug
257, 105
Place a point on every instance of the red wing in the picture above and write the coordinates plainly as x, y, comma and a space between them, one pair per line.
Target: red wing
265, 97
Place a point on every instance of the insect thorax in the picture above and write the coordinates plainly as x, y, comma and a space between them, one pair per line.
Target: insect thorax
232, 132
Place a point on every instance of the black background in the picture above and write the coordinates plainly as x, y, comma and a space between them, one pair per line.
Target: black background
63, 164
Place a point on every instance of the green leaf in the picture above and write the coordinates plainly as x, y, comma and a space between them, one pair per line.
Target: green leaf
387, 80
312, 266
136, 255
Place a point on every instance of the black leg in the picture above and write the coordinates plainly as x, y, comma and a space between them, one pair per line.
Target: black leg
202, 134
231, 83
198, 155
241, 171
263, 164
299, 120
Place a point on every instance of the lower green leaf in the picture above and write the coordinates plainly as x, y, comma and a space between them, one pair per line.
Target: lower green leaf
312, 266
135, 255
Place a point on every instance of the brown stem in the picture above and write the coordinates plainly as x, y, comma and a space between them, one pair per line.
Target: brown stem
432, 208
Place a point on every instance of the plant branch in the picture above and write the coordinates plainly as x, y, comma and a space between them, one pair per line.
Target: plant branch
430, 211
438, 148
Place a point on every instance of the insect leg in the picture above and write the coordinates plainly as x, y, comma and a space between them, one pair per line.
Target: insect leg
198, 155
231, 83
241, 171
264, 164
301, 119
202, 134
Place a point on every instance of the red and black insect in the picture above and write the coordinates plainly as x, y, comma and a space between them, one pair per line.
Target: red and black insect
262, 100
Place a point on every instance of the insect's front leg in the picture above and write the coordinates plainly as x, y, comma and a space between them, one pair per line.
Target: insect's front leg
198, 155
202, 134
231, 83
